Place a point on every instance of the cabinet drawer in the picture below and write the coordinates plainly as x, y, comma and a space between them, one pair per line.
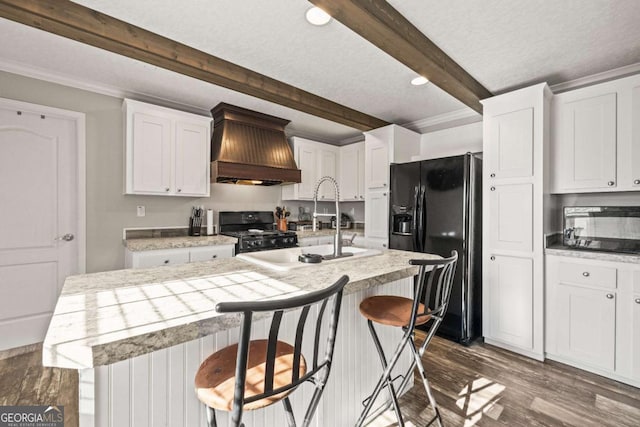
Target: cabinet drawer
211, 252
159, 258
589, 275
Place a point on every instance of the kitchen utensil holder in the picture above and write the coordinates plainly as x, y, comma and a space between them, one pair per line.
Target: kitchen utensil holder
195, 226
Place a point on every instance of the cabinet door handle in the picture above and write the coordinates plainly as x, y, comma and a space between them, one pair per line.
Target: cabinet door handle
636, 181
609, 296
637, 300
166, 261
384, 194
384, 184
585, 273
493, 175
610, 183
214, 256
166, 189
384, 245
493, 188
492, 258
179, 190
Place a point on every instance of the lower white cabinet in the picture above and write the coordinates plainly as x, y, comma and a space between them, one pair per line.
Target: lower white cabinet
510, 301
593, 316
162, 257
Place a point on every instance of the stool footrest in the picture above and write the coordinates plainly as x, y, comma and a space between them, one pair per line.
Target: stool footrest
366, 399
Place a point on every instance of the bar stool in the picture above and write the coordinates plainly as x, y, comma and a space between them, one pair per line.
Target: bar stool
254, 374
428, 305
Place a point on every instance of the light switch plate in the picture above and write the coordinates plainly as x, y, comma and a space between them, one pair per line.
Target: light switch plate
141, 211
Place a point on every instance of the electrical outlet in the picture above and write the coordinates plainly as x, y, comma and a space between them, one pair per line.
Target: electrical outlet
141, 211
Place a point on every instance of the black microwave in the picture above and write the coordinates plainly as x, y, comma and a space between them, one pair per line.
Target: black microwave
602, 228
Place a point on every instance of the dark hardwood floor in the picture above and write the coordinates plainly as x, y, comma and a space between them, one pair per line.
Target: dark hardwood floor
482, 385
478, 385
24, 382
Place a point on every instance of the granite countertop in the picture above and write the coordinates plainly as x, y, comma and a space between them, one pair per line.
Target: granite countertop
102, 318
560, 250
154, 243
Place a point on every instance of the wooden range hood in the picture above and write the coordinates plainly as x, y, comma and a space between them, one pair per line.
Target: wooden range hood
248, 147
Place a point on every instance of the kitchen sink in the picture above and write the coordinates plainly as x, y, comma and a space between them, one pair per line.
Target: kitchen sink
287, 259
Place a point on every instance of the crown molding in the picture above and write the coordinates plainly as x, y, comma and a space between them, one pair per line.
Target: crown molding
444, 121
616, 73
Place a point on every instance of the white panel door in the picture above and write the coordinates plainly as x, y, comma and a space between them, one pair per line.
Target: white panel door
377, 165
588, 136
634, 179
511, 217
38, 190
349, 171
361, 172
191, 166
377, 215
328, 167
511, 137
307, 158
586, 325
510, 290
151, 154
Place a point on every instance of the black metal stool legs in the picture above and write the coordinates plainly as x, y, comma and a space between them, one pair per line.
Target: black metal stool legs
211, 417
417, 362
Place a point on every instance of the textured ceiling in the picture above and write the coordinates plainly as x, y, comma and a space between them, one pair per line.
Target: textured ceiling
502, 43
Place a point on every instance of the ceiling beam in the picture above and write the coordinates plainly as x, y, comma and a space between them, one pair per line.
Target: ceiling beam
77, 22
379, 23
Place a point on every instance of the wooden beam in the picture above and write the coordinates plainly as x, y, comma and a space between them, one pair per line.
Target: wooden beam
379, 23
74, 21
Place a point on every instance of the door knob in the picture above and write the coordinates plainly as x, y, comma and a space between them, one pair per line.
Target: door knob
610, 183
609, 296
493, 175
493, 188
636, 181
585, 274
67, 237
637, 300
493, 258
166, 189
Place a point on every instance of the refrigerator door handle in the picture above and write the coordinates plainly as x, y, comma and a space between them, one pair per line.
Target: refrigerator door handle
414, 221
421, 218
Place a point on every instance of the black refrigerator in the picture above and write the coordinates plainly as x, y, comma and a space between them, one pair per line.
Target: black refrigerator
436, 207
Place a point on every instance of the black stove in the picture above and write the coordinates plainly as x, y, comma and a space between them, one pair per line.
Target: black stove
255, 231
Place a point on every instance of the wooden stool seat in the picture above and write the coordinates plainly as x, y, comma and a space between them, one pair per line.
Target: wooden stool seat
215, 379
391, 310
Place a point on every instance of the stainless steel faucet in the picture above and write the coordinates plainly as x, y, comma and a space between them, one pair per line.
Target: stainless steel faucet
337, 239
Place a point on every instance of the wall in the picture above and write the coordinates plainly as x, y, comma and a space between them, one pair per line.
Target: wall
108, 210
451, 142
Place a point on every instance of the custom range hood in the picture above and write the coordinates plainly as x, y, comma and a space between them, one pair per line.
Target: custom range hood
248, 147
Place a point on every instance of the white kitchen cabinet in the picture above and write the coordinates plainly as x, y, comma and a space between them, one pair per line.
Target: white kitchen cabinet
592, 317
586, 322
315, 160
511, 134
167, 152
163, 257
377, 167
376, 215
373, 243
510, 291
156, 258
352, 172
596, 138
207, 253
383, 146
511, 220
515, 141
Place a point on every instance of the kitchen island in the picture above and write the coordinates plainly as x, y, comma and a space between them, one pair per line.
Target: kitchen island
138, 336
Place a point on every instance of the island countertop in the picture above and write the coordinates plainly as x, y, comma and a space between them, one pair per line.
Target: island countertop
103, 318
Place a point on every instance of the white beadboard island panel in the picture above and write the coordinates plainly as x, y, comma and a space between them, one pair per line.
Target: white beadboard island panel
156, 389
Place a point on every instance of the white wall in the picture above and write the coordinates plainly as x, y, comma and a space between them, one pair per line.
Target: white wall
451, 142
108, 210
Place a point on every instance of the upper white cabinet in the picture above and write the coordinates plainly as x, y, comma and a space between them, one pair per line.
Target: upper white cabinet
512, 135
352, 172
383, 146
315, 160
515, 138
167, 152
596, 138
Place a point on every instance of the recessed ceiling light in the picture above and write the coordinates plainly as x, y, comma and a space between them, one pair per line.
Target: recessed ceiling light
419, 81
317, 16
